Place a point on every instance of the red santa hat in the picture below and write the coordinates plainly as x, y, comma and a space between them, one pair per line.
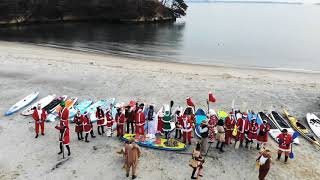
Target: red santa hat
189, 101
231, 113
245, 114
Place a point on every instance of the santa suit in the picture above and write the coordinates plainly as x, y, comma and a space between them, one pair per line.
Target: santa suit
100, 117
263, 133
243, 126
140, 121
211, 125
109, 123
285, 141
64, 126
229, 124
160, 124
186, 123
120, 119
39, 117
87, 125
78, 120
253, 128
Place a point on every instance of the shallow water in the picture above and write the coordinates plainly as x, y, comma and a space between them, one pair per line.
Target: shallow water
266, 35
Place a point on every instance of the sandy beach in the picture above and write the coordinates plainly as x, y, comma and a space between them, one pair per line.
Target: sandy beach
27, 68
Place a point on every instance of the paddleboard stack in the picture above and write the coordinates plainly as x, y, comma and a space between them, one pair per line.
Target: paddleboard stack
54, 115
43, 102
82, 106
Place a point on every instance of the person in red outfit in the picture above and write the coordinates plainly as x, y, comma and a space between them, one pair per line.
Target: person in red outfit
285, 141
252, 133
263, 134
229, 126
186, 123
243, 127
160, 123
109, 122
212, 123
87, 126
78, 120
140, 121
64, 128
39, 117
100, 120
120, 119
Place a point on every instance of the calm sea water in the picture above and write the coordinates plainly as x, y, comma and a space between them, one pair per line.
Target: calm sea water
284, 36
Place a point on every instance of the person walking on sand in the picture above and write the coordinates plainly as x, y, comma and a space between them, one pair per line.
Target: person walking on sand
262, 138
230, 122
78, 120
87, 127
100, 120
285, 143
197, 162
39, 117
204, 132
264, 163
132, 154
64, 128
220, 135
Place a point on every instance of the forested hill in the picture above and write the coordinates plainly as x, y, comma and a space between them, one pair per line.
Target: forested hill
30, 11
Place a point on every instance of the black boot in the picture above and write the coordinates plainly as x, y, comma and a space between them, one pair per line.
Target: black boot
92, 135
36, 136
99, 130
193, 172
279, 156
285, 159
79, 136
258, 146
221, 147
102, 128
60, 148
134, 176
86, 137
241, 144
247, 142
217, 147
68, 148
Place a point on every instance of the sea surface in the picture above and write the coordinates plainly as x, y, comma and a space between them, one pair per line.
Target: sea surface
260, 35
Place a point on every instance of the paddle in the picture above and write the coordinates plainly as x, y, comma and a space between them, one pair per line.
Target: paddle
294, 136
171, 105
208, 106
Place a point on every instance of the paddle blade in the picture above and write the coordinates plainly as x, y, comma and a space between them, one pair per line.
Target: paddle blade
291, 155
189, 101
211, 97
171, 103
295, 135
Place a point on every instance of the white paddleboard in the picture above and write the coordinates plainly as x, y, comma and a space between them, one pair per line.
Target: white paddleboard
22, 103
314, 123
44, 101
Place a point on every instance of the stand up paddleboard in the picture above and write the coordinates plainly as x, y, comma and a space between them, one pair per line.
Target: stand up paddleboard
314, 123
200, 116
44, 101
82, 106
22, 103
50, 108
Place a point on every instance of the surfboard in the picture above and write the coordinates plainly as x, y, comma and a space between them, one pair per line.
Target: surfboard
54, 115
314, 123
82, 106
44, 101
274, 130
22, 103
300, 128
54, 103
200, 116
154, 144
279, 121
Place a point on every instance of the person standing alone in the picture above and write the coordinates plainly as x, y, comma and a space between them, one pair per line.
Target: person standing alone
132, 154
39, 117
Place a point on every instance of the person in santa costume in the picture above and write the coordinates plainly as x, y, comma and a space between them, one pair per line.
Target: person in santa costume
120, 119
78, 120
64, 128
230, 121
109, 122
285, 140
178, 116
140, 121
87, 127
243, 127
186, 129
262, 138
100, 120
160, 123
213, 120
39, 115
252, 133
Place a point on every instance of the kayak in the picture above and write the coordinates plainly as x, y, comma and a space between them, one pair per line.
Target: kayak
44, 101
274, 130
105, 104
53, 104
22, 103
54, 115
200, 116
314, 123
301, 128
279, 121
82, 106
159, 144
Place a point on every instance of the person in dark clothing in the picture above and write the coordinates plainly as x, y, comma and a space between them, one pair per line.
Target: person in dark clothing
220, 135
130, 116
264, 162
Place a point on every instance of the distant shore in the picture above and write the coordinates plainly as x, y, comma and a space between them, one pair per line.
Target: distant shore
25, 68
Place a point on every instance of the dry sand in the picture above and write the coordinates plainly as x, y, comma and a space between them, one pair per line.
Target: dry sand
27, 68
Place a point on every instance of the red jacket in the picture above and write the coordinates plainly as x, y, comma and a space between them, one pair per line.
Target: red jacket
140, 119
213, 120
109, 119
186, 124
120, 119
64, 125
35, 115
229, 123
243, 125
284, 141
